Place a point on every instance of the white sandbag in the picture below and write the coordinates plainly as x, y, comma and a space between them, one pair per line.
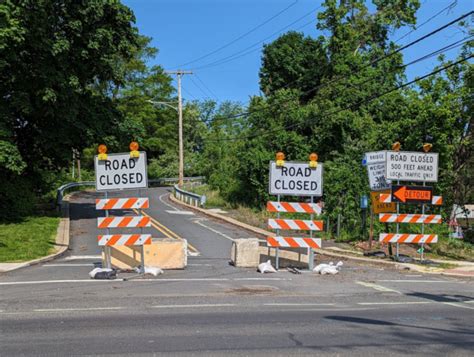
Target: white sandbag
330, 268
95, 271
266, 267
155, 271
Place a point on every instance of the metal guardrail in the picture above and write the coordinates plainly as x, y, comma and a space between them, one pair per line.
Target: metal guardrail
61, 190
189, 197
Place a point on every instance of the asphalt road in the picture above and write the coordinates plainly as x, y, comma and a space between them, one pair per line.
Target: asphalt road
211, 308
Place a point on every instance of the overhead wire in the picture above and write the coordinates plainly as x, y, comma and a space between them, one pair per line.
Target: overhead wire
240, 53
373, 62
241, 36
368, 100
449, 7
206, 87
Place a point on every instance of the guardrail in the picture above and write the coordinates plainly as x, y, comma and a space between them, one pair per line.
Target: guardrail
189, 197
168, 180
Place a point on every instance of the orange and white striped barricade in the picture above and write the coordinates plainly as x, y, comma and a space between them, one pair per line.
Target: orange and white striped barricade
295, 224
294, 207
124, 239
410, 218
294, 242
408, 238
124, 222
109, 240
122, 203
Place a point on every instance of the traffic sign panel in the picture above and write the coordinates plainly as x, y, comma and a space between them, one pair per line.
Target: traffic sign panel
381, 207
412, 194
375, 162
296, 179
412, 166
120, 171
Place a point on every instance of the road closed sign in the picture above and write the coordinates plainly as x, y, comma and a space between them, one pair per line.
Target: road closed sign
296, 179
120, 172
412, 166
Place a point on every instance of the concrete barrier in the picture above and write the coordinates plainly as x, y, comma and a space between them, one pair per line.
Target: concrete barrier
162, 253
245, 253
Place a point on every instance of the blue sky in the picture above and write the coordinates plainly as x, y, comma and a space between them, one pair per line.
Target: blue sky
185, 30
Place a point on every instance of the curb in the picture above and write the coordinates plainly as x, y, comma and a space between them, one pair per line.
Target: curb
263, 232
61, 244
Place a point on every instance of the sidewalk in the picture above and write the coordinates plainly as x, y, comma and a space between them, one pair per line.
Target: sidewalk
464, 269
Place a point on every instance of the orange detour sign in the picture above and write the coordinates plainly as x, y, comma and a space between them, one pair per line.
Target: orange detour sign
412, 194
381, 207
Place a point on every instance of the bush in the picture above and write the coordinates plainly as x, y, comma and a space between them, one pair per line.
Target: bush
17, 198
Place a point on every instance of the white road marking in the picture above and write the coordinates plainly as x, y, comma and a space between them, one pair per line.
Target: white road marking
459, 305
166, 203
191, 306
80, 309
79, 257
198, 221
377, 287
184, 213
36, 282
296, 304
68, 265
269, 279
420, 281
397, 303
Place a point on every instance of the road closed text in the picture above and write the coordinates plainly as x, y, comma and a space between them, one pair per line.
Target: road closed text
121, 172
296, 179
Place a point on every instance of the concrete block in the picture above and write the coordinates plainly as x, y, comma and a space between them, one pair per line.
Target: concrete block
163, 253
244, 253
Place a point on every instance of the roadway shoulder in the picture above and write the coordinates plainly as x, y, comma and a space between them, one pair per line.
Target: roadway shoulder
326, 252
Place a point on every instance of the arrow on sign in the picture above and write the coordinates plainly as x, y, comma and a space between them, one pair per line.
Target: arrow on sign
412, 194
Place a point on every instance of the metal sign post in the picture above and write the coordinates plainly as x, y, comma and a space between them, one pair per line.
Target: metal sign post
310, 250
107, 251
277, 258
398, 224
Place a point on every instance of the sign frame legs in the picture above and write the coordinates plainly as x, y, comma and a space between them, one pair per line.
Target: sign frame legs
310, 250
277, 250
107, 251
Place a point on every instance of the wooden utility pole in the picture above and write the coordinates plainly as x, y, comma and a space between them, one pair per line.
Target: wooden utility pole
179, 73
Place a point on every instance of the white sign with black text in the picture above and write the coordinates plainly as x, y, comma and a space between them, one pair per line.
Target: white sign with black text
120, 171
412, 166
376, 169
296, 179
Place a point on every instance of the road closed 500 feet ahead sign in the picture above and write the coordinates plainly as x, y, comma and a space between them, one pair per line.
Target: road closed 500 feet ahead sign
412, 166
296, 179
120, 171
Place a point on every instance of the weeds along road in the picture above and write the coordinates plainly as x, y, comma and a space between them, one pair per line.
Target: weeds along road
212, 308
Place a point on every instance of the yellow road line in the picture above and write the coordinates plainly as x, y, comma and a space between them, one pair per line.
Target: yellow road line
165, 230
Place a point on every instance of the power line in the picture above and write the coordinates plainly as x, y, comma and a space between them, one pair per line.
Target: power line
373, 62
206, 95
238, 54
241, 36
450, 6
292, 126
207, 88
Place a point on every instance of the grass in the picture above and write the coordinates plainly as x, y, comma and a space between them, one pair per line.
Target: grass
453, 248
32, 238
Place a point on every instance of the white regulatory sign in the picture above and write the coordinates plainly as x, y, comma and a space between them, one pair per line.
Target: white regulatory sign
412, 166
376, 169
296, 179
120, 171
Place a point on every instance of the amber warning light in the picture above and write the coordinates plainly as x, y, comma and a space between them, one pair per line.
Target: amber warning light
102, 149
